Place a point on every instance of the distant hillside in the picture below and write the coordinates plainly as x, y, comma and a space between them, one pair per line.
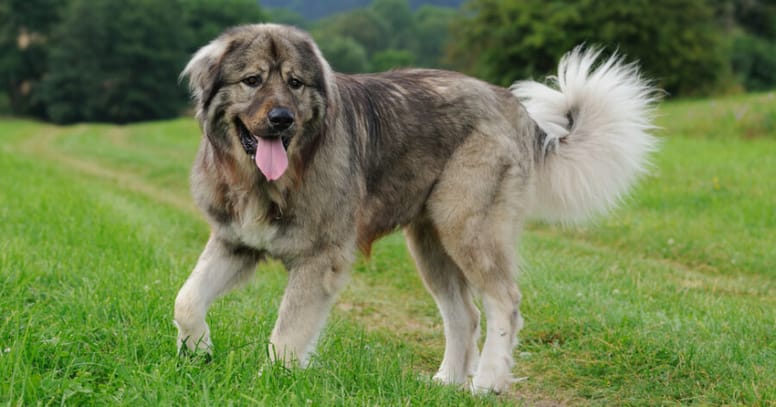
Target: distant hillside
315, 9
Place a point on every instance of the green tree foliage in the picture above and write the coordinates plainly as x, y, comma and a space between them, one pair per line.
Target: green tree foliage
116, 60
398, 16
391, 59
115, 66
753, 41
433, 26
119, 60
390, 34
754, 61
677, 41
345, 54
363, 26
205, 19
314, 10
25, 26
757, 17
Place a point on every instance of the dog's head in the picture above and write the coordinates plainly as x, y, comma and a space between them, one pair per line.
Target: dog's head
262, 93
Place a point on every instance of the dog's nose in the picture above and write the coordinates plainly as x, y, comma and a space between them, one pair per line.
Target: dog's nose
280, 118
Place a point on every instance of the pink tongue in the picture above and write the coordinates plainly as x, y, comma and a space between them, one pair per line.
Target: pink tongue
271, 158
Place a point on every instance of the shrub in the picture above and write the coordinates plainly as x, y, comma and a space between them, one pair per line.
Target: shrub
753, 60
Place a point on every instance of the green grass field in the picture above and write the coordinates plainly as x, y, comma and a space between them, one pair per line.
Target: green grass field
671, 300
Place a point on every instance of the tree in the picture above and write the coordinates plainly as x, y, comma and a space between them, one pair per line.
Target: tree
398, 17
433, 31
676, 41
345, 54
753, 60
363, 26
757, 17
392, 59
205, 19
115, 66
390, 34
752, 47
119, 60
24, 35
314, 10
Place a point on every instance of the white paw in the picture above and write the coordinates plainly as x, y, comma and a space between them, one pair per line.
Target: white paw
493, 377
497, 388
196, 339
446, 377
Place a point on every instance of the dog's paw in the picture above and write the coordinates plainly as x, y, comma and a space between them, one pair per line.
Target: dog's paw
493, 377
194, 341
498, 388
497, 385
450, 377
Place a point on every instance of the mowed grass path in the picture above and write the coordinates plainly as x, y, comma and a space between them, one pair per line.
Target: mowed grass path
671, 300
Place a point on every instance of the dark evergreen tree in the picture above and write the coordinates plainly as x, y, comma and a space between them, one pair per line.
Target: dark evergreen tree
115, 61
119, 60
25, 28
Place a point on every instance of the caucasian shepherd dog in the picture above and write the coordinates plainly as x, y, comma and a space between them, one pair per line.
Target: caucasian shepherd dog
307, 166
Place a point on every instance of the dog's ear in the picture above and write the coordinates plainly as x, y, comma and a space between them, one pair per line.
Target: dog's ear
204, 72
329, 85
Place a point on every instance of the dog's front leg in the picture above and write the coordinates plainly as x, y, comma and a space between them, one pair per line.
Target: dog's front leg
313, 285
221, 267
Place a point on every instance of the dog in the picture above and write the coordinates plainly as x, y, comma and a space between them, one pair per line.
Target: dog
308, 166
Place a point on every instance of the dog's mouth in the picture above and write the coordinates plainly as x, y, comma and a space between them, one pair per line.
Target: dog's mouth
269, 153
249, 141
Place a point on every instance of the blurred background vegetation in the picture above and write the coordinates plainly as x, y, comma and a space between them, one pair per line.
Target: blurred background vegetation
118, 60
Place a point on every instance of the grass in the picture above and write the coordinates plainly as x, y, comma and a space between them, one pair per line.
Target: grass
670, 301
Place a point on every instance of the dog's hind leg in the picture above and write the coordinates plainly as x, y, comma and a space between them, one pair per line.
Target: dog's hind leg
487, 262
475, 206
446, 283
221, 267
313, 285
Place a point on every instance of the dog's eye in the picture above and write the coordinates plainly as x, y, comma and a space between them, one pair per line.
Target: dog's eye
294, 83
252, 81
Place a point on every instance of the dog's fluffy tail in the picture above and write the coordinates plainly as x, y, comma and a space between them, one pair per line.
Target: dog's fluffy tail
596, 134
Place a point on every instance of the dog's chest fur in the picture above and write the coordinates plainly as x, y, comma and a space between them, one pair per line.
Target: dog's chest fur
251, 227
238, 213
